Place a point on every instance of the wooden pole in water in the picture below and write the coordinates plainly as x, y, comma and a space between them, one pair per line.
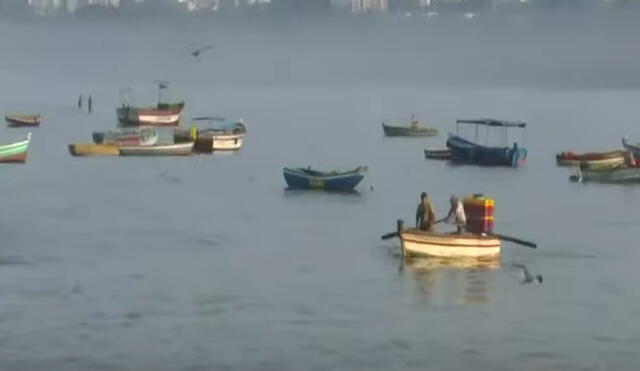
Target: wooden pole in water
400, 228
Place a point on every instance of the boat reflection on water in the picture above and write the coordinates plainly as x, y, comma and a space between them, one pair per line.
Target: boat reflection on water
446, 282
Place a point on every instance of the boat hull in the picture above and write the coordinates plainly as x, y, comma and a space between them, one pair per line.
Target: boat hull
180, 149
592, 160
22, 120
298, 179
131, 116
438, 154
619, 175
467, 152
408, 131
466, 246
144, 137
15, 152
91, 149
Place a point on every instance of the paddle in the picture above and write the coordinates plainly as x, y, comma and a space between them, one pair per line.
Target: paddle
389, 235
515, 240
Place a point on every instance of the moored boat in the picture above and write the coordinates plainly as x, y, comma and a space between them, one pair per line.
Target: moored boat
92, 149
438, 154
164, 113
144, 137
397, 128
592, 159
22, 120
175, 149
617, 175
134, 116
228, 137
15, 152
306, 178
415, 242
470, 152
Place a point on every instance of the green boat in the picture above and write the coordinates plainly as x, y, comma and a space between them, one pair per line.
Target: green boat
397, 128
15, 152
617, 175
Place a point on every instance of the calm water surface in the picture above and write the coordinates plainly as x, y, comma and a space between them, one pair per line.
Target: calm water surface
207, 263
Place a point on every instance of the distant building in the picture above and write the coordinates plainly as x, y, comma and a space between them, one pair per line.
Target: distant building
369, 6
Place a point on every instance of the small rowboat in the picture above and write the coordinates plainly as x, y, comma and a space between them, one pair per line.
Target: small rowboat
179, 149
15, 152
143, 137
399, 129
91, 149
592, 160
617, 175
306, 178
22, 120
442, 245
437, 154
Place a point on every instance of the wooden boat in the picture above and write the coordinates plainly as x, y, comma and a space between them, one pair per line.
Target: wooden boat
22, 120
15, 152
91, 149
618, 175
133, 116
411, 129
229, 137
442, 245
164, 113
466, 151
633, 147
306, 178
437, 154
143, 137
591, 159
176, 149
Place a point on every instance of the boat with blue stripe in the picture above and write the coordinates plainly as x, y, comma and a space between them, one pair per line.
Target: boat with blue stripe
471, 152
307, 178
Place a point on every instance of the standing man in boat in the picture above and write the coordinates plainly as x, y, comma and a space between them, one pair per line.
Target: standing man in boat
90, 104
456, 214
80, 102
425, 214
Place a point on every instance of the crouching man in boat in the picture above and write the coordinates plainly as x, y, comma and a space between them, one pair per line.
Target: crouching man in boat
456, 215
425, 215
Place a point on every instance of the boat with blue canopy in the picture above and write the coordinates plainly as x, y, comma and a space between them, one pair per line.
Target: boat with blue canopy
307, 178
472, 152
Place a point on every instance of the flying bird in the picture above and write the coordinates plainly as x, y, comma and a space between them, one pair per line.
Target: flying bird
197, 52
528, 277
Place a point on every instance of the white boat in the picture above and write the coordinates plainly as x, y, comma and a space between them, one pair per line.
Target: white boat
179, 149
445, 245
220, 141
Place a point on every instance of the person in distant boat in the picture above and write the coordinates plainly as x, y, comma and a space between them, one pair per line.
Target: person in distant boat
425, 214
456, 214
90, 104
80, 102
414, 122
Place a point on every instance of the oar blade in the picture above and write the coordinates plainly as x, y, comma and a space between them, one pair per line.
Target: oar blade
389, 236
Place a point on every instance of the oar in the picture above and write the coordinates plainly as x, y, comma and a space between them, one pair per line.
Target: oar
390, 235
516, 240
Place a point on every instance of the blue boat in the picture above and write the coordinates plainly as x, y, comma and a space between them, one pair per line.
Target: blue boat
306, 178
470, 152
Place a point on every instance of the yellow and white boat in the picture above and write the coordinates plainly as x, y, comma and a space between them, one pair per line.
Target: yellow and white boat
448, 245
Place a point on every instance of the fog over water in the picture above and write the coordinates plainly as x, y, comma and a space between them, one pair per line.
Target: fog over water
207, 263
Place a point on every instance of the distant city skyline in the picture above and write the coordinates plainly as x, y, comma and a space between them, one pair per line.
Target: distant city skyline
46, 7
